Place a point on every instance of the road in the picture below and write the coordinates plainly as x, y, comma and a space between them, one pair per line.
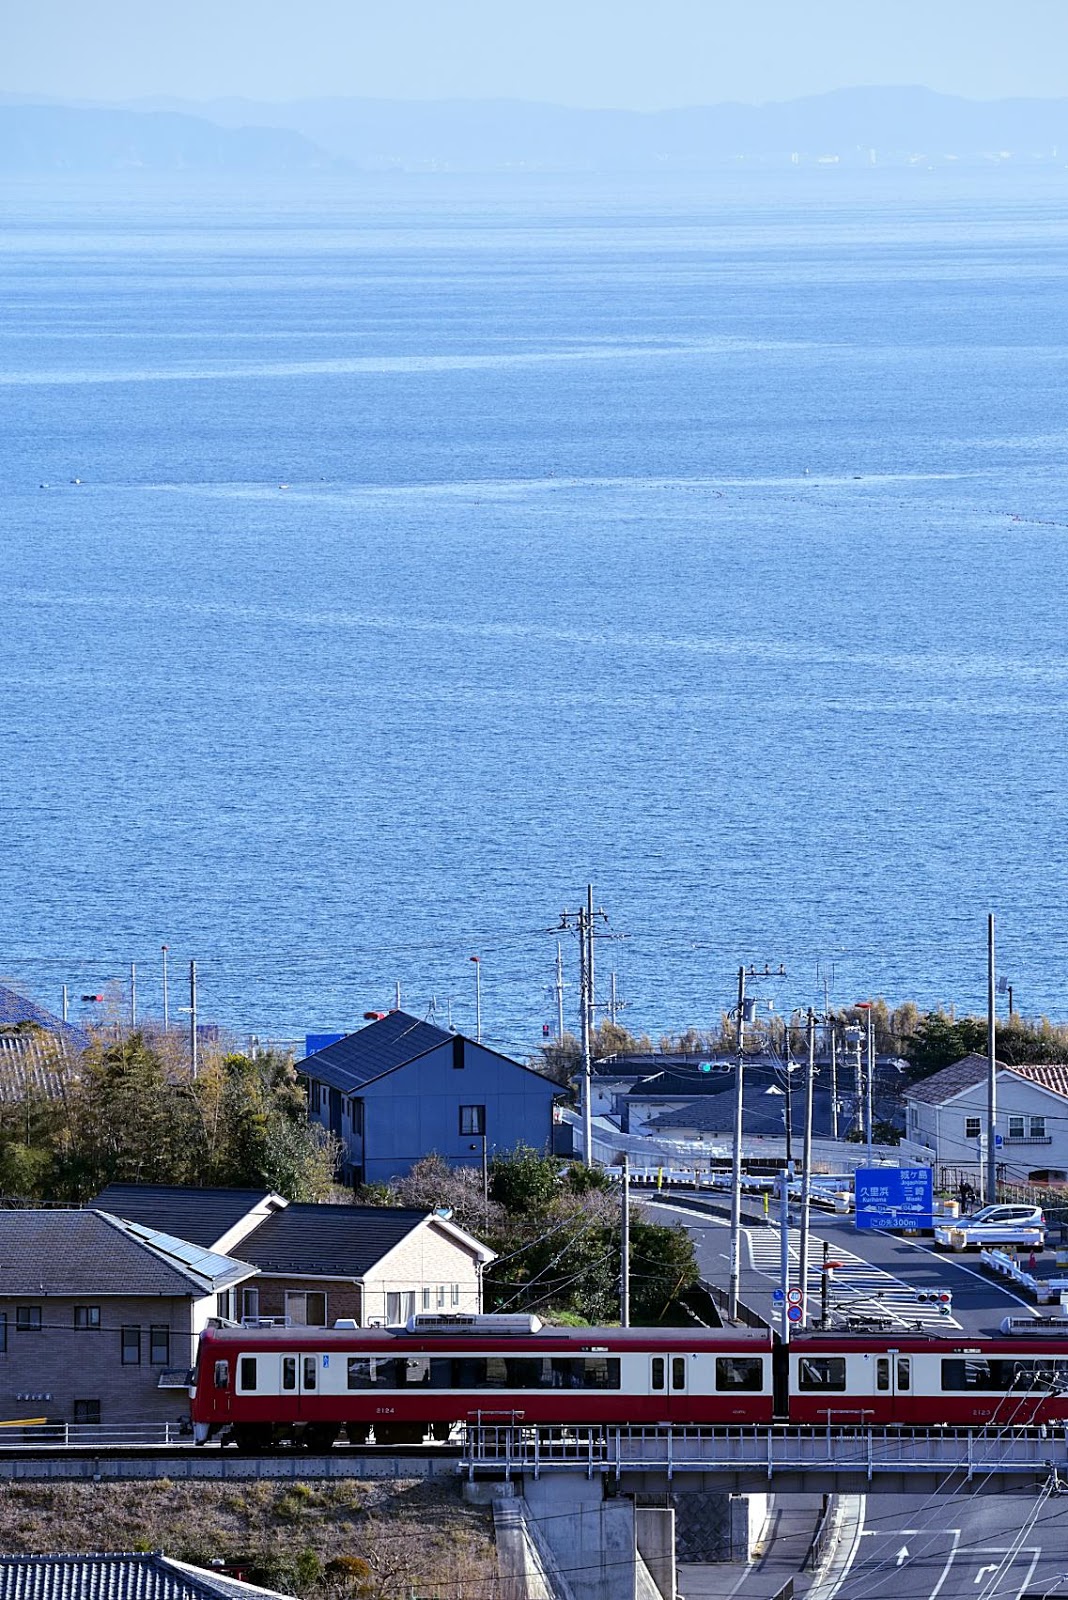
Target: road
879, 1274
951, 1547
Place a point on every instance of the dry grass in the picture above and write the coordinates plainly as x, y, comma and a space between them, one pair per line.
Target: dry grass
321, 1541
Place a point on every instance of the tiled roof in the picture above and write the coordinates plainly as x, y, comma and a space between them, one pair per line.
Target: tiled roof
89, 1252
972, 1069
37, 1049
117, 1577
1051, 1075
15, 1008
324, 1241
372, 1051
202, 1215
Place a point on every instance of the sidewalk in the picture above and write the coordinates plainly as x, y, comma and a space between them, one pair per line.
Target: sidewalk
790, 1527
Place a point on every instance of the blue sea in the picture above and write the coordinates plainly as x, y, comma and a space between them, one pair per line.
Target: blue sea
442, 544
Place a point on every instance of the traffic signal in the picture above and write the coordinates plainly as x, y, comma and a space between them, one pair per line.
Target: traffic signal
92, 999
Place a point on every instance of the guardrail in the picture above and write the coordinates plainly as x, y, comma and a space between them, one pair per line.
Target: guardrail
94, 1435
863, 1452
1045, 1290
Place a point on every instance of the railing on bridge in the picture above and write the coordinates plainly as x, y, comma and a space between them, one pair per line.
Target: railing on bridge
858, 1451
93, 1435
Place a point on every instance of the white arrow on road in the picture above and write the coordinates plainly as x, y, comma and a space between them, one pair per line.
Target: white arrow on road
981, 1574
902, 1555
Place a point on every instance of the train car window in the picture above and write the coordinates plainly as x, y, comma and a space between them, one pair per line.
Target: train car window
740, 1373
360, 1373
819, 1374
289, 1372
882, 1374
524, 1373
417, 1369
222, 1374
309, 1372
247, 1373
658, 1371
441, 1373
678, 1372
904, 1373
972, 1373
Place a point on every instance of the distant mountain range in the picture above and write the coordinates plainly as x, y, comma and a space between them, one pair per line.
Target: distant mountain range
881, 126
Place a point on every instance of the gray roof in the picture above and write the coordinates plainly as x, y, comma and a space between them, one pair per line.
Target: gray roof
116, 1577
329, 1241
943, 1085
391, 1042
93, 1253
676, 1085
202, 1215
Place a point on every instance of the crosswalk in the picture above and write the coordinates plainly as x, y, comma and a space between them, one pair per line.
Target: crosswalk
857, 1288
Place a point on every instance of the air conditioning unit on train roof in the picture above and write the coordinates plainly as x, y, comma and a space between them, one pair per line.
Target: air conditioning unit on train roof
470, 1322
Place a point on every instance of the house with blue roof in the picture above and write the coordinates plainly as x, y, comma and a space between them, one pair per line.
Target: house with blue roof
401, 1089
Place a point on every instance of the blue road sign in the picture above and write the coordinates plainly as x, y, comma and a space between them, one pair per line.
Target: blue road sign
894, 1197
794, 1313
777, 1297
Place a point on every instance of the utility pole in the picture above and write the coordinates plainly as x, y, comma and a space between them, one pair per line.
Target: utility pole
133, 994
991, 1070
396, 996
583, 922
166, 997
1011, 1013
788, 1107
784, 1250
478, 998
736, 1158
871, 1073
559, 993
612, 1000
806, 1159
64, 1002
624, 1246
834, 1080
193, 1017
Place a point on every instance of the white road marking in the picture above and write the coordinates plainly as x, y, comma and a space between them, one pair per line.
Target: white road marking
936, 1591
902, 1555
981, 1574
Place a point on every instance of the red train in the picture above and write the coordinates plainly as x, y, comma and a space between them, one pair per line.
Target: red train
259, 1386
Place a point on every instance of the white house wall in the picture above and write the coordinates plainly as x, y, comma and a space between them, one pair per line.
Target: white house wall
427, 1260
944, 1126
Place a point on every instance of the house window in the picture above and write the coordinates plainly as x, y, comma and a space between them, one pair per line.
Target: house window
399, 1307
250, 1303
131, 1345
306, 1310
87, 1316
1016, 1127
357, 1118
28, 1319
87, 1411
456, 1294
472, 1119
426, 1299
1038, 1127
224, 1305
973, 1127
316, 1094
159, 1345
3, 1333
441, 1297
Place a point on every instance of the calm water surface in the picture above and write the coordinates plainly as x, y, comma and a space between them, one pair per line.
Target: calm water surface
440, 545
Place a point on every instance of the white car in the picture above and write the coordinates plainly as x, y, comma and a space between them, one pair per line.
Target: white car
994, 1225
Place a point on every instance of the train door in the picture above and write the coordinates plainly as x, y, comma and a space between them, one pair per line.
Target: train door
893, 1385
667, 1375
309, 1382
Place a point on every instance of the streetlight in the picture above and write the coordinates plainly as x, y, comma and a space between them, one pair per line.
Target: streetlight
478, 998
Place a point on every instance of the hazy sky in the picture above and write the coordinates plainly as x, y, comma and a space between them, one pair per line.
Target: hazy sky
637, 53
